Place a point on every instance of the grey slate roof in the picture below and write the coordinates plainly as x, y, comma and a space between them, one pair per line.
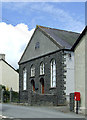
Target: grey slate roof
64, 38
79, 38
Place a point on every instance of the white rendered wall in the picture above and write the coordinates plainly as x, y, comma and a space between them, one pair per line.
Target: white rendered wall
80, 72
86, 73
70, 85
9, 77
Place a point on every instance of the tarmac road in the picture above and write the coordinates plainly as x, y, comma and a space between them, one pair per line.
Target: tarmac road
16, 111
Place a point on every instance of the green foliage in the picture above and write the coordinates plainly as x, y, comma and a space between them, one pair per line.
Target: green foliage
6, 95
15, 96
2, 87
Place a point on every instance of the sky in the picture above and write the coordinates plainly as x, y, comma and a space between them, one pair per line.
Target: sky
86, 13
19, 20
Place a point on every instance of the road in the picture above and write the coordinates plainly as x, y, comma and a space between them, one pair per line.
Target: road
15, 111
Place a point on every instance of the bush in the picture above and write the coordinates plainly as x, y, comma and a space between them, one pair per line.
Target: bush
15, 96
6, 95
2, 87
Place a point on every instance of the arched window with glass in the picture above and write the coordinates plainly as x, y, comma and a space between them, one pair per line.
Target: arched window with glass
24, 79
53, 73
42, 68
32, 71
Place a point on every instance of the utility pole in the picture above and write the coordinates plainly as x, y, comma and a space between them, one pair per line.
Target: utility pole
2, 95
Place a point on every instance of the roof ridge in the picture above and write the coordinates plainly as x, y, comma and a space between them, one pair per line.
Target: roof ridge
56, 29
49, 35
52, 37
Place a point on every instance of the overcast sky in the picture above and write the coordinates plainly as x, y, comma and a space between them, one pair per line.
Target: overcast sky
19, 20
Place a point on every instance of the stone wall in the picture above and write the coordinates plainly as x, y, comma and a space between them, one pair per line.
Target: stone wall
43, 99
59, 90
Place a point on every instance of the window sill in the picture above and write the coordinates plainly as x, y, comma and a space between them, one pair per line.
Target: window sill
32, 76
24, 90
41, 75
52, 88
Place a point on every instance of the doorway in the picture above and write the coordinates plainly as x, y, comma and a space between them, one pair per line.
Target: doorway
42, 85
33, 85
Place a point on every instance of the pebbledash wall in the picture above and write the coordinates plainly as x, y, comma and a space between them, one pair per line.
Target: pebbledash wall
56, 96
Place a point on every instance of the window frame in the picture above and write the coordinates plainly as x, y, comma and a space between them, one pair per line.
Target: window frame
37, 45
32, 70
24, 79
42, 70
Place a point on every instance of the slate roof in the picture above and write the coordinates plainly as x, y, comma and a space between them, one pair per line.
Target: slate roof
62, 37
79, 38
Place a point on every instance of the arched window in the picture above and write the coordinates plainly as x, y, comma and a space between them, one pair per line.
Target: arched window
41, 68
24, 79
53, 73
32, 71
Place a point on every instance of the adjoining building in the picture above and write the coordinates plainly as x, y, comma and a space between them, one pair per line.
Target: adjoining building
9, 77
80, 50
46, 68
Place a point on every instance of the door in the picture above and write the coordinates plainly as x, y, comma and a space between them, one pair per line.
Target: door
42, 88
33, 85
42, 85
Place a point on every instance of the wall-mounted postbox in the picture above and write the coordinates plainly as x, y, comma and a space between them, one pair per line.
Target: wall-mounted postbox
77, 96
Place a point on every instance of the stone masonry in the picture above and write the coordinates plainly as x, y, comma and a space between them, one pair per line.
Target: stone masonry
49, 93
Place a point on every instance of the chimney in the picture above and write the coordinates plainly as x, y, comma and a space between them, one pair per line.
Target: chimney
2, 56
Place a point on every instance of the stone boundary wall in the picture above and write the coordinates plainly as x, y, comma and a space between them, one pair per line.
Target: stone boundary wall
43, 99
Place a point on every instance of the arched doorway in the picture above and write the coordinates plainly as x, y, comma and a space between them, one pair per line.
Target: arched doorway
33, 85
42, 85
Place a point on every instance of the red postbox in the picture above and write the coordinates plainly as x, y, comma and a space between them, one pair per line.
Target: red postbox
77, 96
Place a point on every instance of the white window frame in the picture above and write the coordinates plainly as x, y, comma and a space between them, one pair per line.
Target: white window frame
24, 79
53, 73
32, 71
42, 68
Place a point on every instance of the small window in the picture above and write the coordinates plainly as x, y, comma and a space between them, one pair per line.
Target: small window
53, 73
24, 79
32, 71
37, 45
42, 68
